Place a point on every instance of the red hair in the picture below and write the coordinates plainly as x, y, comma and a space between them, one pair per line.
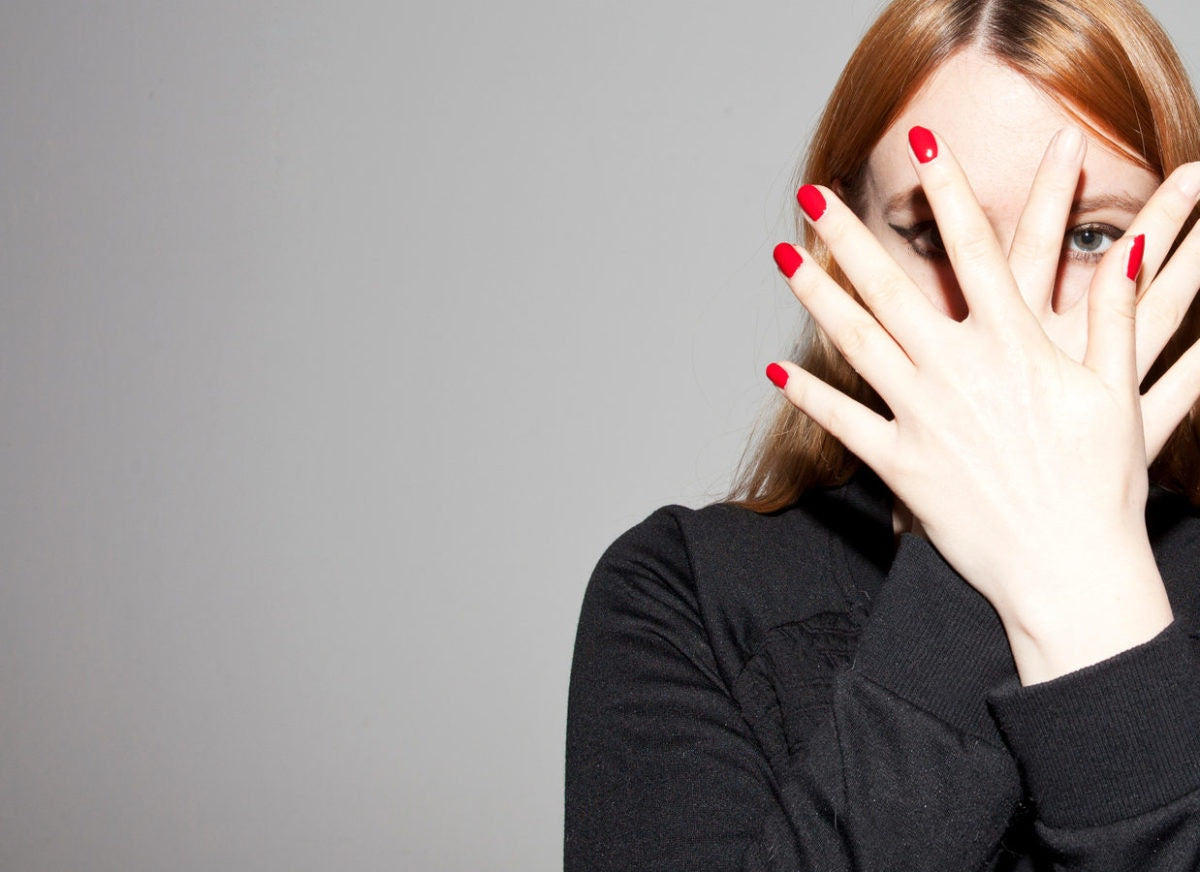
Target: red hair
1111, 66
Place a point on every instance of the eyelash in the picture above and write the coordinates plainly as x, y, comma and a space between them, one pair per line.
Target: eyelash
1113, 234
916, 237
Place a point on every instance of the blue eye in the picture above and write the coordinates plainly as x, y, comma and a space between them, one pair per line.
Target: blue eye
1090, 241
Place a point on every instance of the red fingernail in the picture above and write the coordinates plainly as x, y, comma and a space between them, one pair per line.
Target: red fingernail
811, 202
777, 374
1135, 256
787, 259
923, 144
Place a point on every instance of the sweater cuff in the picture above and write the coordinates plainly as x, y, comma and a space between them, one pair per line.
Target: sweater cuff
1112, 740
934, 641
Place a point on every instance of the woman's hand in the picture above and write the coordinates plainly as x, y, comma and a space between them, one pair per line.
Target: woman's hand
1035, 254
1026, 467
1164, 298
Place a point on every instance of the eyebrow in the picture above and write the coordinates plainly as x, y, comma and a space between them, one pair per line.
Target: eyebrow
914, 198
1122, 201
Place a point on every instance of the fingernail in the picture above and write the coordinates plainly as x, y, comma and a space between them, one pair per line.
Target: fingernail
923, 144
777, 374
811, 202
1135, 256
787, 259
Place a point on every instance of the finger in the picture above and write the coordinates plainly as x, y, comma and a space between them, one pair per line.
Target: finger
896, 302
1169, 400
1164, 214
1037, 244
1168, 294
867, 434
979, 265
867, 347
1111, 306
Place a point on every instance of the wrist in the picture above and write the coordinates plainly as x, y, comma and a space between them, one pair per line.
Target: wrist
1083, 607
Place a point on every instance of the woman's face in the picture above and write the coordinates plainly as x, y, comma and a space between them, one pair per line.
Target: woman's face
998, 125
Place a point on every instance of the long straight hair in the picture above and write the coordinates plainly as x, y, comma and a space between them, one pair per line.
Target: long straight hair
1107, 62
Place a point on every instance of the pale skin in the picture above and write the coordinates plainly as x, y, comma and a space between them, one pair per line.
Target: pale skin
1010, 350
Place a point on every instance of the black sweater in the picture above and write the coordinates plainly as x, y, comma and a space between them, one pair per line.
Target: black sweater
790, 692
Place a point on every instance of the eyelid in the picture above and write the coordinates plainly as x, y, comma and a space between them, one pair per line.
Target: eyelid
1099, 225
911, 234
912, 231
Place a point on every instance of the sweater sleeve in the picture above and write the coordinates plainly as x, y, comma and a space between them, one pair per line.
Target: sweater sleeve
664, 773
1111, 758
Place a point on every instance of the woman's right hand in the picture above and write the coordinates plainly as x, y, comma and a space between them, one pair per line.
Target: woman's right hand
1026, 467
1164, 293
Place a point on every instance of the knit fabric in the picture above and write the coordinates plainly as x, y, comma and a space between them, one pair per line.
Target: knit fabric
794, 692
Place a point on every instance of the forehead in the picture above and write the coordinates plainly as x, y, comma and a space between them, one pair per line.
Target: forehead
998, 126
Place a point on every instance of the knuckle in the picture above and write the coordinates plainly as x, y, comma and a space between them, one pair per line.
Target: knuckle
969, 248
803, 286
853, 339
886, 291
834, 228
937, 181
1162, 316
835, 420
1026, 249
1117, 310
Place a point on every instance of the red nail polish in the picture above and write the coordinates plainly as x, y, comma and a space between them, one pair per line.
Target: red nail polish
923, 144
787, 259
777, 374
1135, 256
811, 202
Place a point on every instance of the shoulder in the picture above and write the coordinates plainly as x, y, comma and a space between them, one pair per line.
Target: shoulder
661, 559
736, 574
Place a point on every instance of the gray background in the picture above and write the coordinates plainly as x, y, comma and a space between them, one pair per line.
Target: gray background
336, 342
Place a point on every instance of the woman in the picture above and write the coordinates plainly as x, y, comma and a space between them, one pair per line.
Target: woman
783, 682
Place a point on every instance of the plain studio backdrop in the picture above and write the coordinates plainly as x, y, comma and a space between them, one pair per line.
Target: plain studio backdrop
336, 343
